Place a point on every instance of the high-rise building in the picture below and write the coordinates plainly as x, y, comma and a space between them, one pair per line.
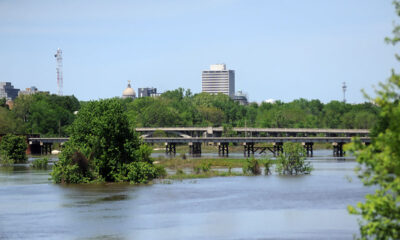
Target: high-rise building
147, 92
219, 80
8, 91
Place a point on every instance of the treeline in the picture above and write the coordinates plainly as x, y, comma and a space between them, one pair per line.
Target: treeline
182, 108
51, 115
45, 114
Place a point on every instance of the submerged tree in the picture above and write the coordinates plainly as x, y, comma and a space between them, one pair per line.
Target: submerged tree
380, 163
102, 147
292, 160
14, 148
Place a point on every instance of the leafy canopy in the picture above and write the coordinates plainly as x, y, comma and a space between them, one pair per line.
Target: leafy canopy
14, 147
103, 147
380, 162
292, 160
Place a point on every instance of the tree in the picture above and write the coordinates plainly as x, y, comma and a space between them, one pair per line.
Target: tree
291, 161
102, 147
14, 147
380, 163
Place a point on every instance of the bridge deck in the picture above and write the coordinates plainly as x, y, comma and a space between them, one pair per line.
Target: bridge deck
252, 139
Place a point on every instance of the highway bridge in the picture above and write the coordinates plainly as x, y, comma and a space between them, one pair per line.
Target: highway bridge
44, 145
256, 132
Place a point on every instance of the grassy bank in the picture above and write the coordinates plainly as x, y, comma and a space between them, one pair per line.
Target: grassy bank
178, 162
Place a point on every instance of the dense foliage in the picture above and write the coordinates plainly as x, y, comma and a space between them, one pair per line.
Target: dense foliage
181, 108
51, 115
14, 147
251, 167
48, 115
292, 160
40, 163
102, 147
380, 164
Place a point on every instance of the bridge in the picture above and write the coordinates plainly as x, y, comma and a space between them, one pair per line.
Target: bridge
256, 132
195, 143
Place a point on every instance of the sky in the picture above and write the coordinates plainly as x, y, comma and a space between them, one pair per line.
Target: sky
279, 49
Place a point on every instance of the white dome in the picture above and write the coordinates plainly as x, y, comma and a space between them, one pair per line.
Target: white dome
129, 92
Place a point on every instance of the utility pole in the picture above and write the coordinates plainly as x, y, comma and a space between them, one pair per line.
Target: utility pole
58, 57
344, 87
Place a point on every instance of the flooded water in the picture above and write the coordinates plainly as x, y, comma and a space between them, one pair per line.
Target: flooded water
262, 207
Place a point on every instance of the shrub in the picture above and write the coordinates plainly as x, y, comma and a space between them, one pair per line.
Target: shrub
40, 163
267, 166
202, 167
102, 147
14, 147
291, 161
5, 160
251, 167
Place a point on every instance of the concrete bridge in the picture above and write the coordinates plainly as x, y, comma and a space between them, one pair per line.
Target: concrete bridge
195, 143
256, 132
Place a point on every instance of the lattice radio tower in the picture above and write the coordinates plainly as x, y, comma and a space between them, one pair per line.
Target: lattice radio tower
58, 57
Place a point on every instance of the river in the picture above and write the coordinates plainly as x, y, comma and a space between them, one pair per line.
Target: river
262, 207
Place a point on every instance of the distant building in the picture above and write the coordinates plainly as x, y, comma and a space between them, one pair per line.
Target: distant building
8, 91
241, 98
218, 80
147, 92
129, 92
272, 101
29, 91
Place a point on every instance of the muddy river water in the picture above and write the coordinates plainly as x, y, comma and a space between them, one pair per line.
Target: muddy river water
262, 207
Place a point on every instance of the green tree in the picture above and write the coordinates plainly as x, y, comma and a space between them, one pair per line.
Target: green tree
14, 147
102, 147
292, 160
380, 163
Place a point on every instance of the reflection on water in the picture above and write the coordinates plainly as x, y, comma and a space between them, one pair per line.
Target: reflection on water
262, 207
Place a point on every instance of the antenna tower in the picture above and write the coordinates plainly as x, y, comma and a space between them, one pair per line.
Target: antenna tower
344, 87
58, 57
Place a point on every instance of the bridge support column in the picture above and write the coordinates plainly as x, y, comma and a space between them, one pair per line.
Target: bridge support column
170, 148
278, 148
338, 149
248, 149
308, 146
45, 148
223, 149
195, 149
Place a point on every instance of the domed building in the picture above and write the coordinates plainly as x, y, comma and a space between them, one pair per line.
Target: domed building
129, 92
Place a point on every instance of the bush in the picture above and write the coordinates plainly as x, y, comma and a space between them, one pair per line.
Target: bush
267, 166
202, 167
5, 160
102, 147
291, 161
141, 172
14, 147
252, 167
40, 163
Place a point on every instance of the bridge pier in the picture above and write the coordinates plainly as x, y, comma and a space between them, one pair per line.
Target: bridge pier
223, 149
308, 146
45, 148
170, 148
195, 149
278, 148
338, 149
248, 149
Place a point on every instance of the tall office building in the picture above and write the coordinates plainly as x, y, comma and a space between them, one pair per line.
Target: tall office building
8, 91
219, 80
147, 92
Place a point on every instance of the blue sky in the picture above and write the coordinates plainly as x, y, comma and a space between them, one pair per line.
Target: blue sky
282, 49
